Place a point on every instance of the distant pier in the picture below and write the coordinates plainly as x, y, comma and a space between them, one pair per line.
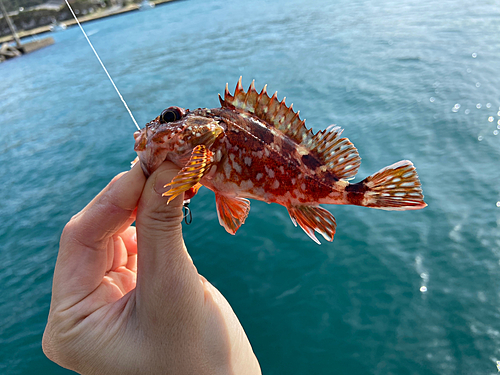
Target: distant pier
70, 22
7, 51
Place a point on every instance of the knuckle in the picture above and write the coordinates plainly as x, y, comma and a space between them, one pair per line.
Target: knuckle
159, 217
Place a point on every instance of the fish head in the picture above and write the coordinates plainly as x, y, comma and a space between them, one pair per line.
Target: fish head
173, 135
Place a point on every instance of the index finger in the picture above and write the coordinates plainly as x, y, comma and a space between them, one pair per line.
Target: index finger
87, 240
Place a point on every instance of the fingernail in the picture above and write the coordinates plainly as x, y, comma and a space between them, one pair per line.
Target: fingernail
162, 178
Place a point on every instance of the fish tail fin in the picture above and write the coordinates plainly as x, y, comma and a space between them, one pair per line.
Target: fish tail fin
393, 188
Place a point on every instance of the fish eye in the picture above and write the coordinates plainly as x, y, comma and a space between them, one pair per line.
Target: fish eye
171, 114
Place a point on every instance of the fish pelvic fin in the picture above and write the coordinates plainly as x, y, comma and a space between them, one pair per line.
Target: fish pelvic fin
188, 177
393, 188
232, 211
314, 219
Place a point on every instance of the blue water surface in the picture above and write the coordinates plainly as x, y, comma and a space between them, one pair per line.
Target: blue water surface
413, 292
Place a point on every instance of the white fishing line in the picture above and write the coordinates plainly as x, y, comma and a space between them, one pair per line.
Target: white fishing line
105, 70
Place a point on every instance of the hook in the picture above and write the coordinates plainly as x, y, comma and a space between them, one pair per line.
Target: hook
188, 215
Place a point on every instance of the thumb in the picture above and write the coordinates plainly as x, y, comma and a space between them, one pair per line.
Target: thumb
162, 256
155, 217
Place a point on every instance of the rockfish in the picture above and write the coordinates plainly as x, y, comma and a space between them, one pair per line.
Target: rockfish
257, 147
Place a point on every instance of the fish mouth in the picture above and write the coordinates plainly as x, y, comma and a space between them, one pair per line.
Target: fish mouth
149, 159
141, 139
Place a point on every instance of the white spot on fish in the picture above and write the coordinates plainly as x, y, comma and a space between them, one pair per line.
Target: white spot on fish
259, 176
282, 170
218, 155
303, 186
270, 172
275, 185
227, 170
247, 160
246, 185
237, 167
294, 181
342, 183
302, 151
266, 152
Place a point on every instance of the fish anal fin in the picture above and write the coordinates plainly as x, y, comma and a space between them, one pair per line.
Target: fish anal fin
232, 211
188, 177
314, 219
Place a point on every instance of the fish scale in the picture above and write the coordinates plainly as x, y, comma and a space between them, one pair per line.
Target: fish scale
256, 147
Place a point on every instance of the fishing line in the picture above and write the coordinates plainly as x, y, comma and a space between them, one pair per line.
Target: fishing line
105, 70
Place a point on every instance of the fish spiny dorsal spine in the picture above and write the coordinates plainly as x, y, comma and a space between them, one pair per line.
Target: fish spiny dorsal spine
269, 109
337, 155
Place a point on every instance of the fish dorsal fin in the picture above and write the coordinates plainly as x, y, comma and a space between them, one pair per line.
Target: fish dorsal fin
268, 109
330, 152
338, 155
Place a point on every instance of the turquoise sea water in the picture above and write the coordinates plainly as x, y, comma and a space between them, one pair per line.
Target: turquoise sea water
396, 292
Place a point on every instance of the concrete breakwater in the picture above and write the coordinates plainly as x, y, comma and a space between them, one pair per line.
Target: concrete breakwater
83, 19
7, 51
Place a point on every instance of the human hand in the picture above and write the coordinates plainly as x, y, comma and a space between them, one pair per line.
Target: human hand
127, 302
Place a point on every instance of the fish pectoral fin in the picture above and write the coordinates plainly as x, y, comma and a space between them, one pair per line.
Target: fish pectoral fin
314, 218
188, 177
232, 211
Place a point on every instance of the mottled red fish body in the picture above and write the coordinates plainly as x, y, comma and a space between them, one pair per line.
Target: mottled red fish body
256, 147
262, 164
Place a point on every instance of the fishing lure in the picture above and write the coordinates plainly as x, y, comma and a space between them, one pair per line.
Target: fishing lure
257, 147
